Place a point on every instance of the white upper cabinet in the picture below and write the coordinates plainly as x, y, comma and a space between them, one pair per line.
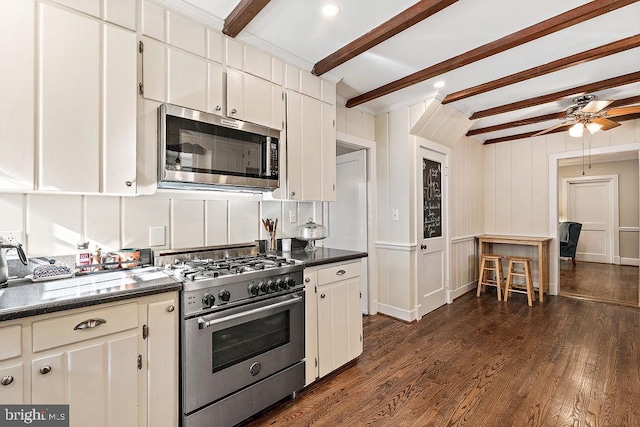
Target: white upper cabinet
187, 80
90, 7
120, 12
328, 92
309, 84
154, 70
87, 104
253, 61
119, 107
17, 100
328, 152
253, 99
215, 100
153, 21
70, 101
215, 46
257, 62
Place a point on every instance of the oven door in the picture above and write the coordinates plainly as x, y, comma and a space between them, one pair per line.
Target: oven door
226, 351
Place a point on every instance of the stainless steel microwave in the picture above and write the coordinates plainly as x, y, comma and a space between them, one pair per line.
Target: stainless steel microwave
199, 150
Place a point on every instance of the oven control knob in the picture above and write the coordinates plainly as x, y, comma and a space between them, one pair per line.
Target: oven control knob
282, 284
254, 289
208, 300
224, 295
289, 282
273, 286
264, 287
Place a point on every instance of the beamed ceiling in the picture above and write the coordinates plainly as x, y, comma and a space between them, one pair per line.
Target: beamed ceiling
514, 65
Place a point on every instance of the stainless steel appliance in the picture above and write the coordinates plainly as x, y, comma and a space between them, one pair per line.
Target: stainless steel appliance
242, 332
4, 267
201, 150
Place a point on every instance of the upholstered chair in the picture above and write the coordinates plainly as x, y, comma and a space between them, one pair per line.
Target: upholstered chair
568, 234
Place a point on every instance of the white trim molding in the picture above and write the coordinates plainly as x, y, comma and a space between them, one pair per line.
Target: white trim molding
395, 246
463, 290
628, 229
398, 313
462, 239
629, 261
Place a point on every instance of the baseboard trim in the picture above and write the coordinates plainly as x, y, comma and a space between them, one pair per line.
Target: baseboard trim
393, 246
463, 290
630, 261
398, 313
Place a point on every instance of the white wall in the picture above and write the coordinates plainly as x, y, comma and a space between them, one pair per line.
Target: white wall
53, 224
516, 178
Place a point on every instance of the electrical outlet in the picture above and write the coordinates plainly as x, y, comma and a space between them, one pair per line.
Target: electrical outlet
395, 215
13, 236
293, 218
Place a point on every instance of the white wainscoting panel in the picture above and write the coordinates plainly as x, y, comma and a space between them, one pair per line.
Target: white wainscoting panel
103, 222
187, 223
139, 214
244, 221
54, 224
217, 232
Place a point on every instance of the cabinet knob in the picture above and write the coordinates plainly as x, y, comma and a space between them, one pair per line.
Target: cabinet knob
307, 280
233, 111
322, 295
293, 193
45, 369
218, 108
170, 308
128, 183
6, 380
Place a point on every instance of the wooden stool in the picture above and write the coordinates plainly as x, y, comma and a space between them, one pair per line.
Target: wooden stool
490, 262
514, 262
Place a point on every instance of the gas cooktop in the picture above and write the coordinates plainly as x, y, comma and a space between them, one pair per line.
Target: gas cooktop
199, 269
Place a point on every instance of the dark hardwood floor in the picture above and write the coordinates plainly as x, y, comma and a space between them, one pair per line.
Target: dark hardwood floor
481, 362
602, 282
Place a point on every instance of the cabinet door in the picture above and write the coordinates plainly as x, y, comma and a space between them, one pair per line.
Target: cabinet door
215, 101
162, 364
355, 316
70, 103
154, 70
311, 327
333, 321
99, 381
119, 111
187, 80
328, 153
257, 100
311, 149
235, 94
12, 387
294, 145
17, 105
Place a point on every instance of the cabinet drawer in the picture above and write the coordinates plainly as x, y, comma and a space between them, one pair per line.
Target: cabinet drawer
77, 327
339, 272
10, 337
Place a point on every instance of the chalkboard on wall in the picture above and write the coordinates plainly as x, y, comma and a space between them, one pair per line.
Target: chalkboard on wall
432, 198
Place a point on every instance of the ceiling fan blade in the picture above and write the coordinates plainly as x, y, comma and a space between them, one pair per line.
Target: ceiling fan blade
623, 111
559, 125
606, 123
595, 105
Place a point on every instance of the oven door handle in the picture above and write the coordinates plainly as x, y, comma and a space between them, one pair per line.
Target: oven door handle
202, 323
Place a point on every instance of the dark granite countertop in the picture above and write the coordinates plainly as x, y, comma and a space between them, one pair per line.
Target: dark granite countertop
323, 255
23, 298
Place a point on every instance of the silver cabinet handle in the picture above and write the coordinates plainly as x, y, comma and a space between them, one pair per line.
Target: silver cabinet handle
340, 272
233, 111
128, 183
6, 380
88, 324
45, 369
322, 295
307, 280
170, 308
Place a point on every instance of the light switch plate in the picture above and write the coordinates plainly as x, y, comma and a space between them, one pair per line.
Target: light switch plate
157, 235
292, 216
395, 215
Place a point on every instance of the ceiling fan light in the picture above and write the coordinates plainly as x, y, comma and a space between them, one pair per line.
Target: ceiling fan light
594, 127
576, 130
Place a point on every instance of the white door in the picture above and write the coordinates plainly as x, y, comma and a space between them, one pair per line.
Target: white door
347, 226
432, 240
590, 201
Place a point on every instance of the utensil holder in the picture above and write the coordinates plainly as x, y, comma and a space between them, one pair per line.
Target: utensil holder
272, 242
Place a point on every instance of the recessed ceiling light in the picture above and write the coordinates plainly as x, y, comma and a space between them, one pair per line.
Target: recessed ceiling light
331, 9
439, 84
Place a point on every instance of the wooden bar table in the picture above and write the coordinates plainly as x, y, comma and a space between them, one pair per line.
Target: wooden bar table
485, 242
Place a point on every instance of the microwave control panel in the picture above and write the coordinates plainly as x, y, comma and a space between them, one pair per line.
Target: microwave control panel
273, 153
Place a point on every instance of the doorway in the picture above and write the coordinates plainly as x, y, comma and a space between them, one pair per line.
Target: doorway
605, 200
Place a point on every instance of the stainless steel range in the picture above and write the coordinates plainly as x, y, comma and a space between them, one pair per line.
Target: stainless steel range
242, 331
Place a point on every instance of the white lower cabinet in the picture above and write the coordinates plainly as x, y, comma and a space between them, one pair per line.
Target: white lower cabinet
114, 364
334, 317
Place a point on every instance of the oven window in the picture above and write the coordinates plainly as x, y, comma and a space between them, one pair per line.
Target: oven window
238, 343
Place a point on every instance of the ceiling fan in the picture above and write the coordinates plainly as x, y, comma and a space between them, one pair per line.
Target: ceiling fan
589, 112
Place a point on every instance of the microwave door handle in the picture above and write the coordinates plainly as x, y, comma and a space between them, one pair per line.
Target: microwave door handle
267, 152
202, 323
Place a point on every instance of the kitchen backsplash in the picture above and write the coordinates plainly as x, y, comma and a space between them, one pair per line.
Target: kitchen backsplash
52, 225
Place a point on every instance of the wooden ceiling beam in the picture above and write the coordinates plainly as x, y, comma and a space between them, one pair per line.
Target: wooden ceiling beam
561, 129
240, 17
546, 117
560, 64
405, 19
541, 29
559, 96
